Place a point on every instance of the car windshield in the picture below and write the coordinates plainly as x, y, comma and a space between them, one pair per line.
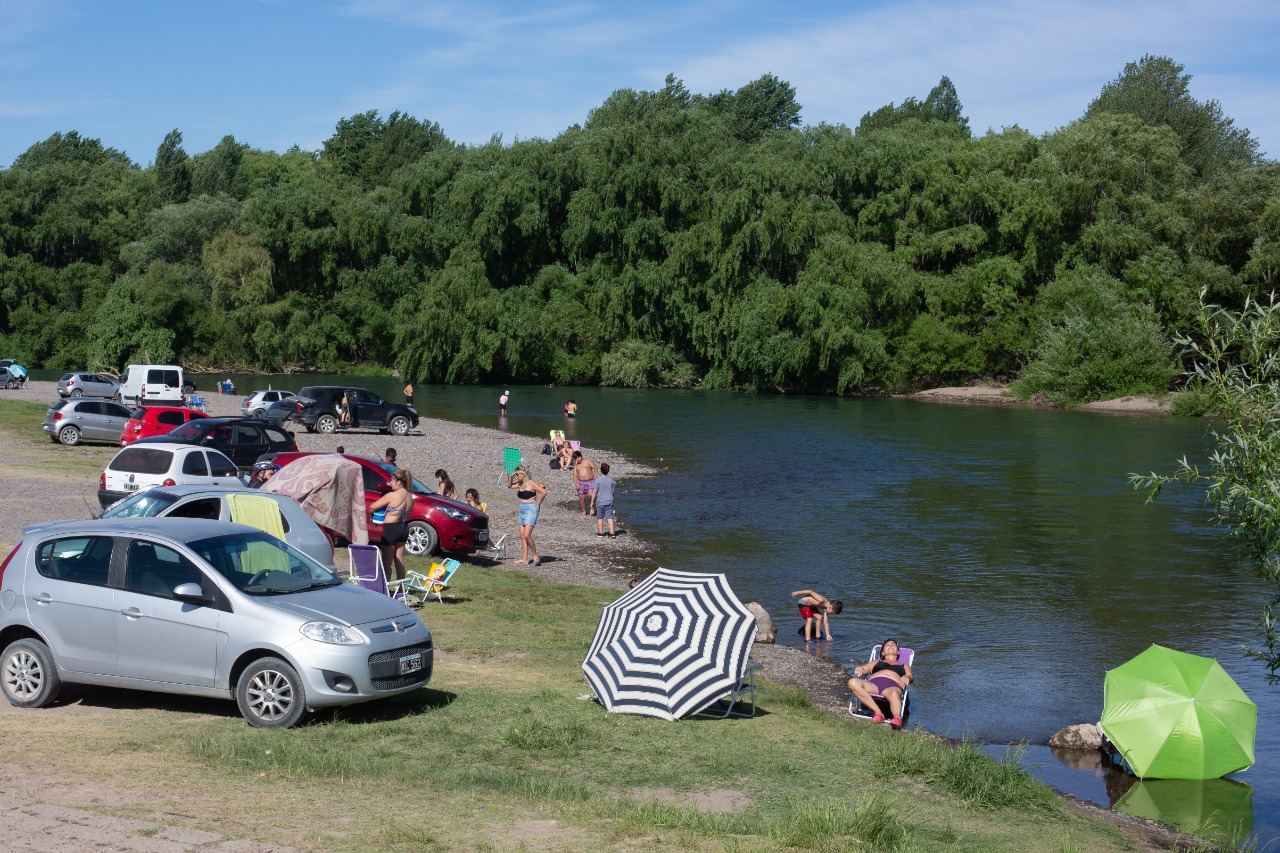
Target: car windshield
191, 429
142, 505
260, 564
418, 486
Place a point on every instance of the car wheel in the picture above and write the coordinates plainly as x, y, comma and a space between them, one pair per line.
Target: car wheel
28, 675
270, 694
77, 393
400, 425
423, 539
10, 384
257, 413
189, 388
118, 398
69, 435
326, 424
310, 428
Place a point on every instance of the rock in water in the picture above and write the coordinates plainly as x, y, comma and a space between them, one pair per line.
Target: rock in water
765, 630
1079, 736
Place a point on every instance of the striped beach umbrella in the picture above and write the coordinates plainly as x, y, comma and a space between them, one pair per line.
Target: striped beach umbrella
671, 646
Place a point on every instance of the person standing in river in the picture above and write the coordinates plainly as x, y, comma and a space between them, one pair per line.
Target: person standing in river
502, 403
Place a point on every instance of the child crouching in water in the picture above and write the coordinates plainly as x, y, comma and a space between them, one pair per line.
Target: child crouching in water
814, 609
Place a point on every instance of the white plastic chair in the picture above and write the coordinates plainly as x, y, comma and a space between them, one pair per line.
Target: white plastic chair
497, 550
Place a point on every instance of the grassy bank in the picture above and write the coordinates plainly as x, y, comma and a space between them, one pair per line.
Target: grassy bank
501, 752
20, 426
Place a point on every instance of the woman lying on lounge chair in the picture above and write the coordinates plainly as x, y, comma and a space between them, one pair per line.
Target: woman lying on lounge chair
886, 678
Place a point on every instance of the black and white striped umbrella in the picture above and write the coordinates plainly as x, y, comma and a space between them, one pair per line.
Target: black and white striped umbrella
671, 646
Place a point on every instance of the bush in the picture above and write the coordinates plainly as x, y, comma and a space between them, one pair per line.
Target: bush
640, 364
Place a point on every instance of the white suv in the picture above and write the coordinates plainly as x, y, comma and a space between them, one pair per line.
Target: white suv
142, 466
257, 403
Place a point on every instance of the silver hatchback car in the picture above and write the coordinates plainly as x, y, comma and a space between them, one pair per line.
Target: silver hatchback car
74, 421
202, 608
86, 384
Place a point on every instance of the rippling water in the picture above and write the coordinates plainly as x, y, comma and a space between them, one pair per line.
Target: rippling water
1004, 544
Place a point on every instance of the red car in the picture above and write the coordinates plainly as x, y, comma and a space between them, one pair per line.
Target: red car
146, 421
434, 523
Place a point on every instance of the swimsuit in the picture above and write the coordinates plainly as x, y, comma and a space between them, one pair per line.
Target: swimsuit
525, 495
396, 532
885, 682
586, 486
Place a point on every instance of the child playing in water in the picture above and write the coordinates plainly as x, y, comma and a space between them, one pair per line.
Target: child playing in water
814, 609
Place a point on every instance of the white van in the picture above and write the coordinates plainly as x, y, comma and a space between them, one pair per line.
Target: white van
152, 383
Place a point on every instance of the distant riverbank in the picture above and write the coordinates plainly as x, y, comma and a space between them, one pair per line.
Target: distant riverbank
998, 395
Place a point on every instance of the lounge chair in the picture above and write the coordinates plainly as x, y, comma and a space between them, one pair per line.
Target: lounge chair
197, 403
511, 460
857, 709
417, 588
366, 568
497, 550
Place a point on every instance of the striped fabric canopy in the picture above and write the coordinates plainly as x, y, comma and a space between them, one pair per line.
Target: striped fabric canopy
671, 646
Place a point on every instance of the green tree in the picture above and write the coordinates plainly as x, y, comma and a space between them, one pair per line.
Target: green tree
1156, 90
173, 170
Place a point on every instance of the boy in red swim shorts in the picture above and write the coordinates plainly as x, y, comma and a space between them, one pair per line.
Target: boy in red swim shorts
814, 610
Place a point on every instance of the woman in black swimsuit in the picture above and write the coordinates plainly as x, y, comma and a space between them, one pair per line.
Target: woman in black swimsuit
398, 503
886, 678
531, 495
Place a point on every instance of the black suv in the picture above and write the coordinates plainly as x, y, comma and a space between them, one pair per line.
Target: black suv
242, 439
320, 408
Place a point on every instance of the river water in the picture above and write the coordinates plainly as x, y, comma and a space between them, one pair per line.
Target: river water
1003, 544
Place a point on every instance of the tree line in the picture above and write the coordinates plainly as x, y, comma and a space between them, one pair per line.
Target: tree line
672, 239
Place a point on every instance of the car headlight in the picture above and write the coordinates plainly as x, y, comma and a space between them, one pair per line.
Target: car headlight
332, 632
455, 514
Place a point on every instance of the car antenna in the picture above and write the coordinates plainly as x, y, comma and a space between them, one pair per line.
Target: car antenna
94, 515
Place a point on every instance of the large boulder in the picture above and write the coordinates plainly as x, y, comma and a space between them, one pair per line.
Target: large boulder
1079, 736
766, 631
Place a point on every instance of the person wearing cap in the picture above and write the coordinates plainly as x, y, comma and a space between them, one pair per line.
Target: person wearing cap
263, 471
502, 402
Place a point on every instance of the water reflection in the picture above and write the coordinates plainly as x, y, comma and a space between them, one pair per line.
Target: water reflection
1220, 809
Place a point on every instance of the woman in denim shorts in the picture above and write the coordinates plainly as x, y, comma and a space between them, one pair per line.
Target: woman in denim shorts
531, 495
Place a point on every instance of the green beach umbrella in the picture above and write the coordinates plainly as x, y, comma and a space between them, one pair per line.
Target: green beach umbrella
1178, 716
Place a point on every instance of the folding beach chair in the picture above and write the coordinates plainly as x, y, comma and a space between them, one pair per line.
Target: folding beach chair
366, 568
197, 403
857, 709
497, 550
742, 692
511, 460
418, 587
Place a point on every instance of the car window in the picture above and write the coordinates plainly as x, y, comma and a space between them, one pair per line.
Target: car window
141, 505
84, 559
247, 434
371, 479
187, 430
89, 408
58, 406
170, 418
195, 416
200, 508
138, 414
220, 465
275, 436
65, 377
272, 566
115, 410
142, 460
195, 465
164, 377
155, 570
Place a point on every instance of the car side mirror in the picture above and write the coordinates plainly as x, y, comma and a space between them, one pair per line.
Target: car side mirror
191, 593
384, 488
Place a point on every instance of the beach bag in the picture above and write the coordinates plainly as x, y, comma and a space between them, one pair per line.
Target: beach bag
555, 463
546, 449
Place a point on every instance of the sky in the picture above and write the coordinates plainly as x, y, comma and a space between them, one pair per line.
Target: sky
280, 73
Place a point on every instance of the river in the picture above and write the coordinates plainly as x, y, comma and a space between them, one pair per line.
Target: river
1004, 544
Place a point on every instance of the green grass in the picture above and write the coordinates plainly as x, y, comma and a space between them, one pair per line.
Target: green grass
20, 424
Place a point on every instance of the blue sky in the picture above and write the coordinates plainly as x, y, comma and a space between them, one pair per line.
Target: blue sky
278, 73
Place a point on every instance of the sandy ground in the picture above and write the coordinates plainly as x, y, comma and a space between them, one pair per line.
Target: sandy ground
45, 812
998, 395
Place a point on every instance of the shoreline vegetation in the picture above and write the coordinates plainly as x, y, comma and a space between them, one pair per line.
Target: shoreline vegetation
1001, 395
522, 765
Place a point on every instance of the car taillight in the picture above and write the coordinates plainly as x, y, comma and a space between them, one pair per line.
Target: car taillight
102, 481
169, 481
57, 416
5, 564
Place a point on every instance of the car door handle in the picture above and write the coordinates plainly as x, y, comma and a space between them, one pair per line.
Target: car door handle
42, 598
132, 613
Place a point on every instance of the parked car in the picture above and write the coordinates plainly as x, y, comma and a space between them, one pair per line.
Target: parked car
280, 412
9, 380
136, 468
242, 439
256, 404
200, 608
149, 421
87, 385
153, 383
211, 502
318, 409
435, 521
74, 421
5, 362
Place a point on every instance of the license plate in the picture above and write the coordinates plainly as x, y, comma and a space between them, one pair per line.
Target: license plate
410, 663
131, 487
482, 536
